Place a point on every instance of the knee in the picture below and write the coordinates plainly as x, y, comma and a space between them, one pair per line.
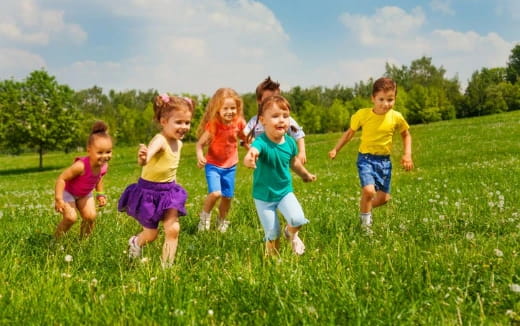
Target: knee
70, 216
172, 231
89, 217
215, 195
368, 193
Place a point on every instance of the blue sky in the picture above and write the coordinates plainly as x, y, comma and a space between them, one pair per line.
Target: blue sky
197, 46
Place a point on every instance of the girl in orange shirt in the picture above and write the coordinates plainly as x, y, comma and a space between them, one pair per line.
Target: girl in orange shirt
221, 126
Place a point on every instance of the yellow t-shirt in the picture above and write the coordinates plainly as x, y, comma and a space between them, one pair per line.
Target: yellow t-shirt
377, 130
163, 165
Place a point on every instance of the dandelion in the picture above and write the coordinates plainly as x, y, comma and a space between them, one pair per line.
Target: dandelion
514, 287
144, 260
470, 236
210, 312
68, 258
498, 252
65, 275
94, 282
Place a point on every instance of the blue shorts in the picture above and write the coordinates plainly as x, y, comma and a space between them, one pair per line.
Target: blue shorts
221, 179
375, 170
290, 209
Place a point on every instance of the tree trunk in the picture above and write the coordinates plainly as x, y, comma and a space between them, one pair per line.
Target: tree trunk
40, 151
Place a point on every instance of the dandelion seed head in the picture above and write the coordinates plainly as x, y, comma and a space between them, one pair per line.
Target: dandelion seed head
498, 252
68, 258
211, 312
470, 236
514, 287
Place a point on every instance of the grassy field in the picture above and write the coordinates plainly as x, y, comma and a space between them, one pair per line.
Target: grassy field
444, 251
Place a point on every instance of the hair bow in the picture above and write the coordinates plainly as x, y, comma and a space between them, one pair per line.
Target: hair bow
187, 99
165, 98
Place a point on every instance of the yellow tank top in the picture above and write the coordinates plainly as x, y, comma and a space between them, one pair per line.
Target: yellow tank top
163, 165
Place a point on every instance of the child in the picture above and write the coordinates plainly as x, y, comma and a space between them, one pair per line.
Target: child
74, 186
265, 89
222, 123
378, 125
156, 196
271, 155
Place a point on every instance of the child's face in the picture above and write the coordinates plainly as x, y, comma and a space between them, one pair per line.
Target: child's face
100, 151
383, 101
275, 122
228, 111
177, 125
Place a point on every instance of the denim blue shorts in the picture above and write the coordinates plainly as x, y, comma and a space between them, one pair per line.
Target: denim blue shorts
289, 207
221, 179
375, 170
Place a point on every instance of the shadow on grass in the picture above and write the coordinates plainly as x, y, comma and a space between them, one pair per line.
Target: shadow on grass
28, 170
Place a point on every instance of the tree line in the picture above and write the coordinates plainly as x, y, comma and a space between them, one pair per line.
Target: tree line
39, 114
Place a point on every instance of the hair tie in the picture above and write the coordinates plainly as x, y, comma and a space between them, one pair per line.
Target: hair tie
187, 99
165, 97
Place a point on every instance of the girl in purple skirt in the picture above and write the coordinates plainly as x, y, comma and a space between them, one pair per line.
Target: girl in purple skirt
156, 196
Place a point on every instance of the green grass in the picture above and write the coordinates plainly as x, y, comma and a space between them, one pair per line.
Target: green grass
445, 249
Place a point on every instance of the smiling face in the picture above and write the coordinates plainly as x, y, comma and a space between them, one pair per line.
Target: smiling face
228, 111
275, 121
177, 125
383, 101
100, 151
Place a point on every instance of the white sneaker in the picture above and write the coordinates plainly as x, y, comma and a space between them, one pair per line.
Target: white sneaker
134, 251
297, 244
222, 225
205, 221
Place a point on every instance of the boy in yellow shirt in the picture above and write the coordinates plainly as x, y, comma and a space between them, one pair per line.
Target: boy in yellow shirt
378, 125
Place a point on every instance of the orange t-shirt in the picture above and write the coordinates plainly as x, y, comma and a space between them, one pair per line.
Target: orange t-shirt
223, 147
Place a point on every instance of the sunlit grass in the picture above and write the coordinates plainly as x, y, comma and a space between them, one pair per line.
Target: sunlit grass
445, 249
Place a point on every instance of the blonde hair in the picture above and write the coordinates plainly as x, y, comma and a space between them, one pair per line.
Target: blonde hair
216, 103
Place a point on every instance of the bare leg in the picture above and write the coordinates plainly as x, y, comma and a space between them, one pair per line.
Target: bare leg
380, 198
172, 230
87, 210
225, 205
211, 200
69, 218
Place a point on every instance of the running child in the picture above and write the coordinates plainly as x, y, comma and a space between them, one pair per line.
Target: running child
378, 125
220, 128
156, 196
271, 155
267, 88
74, 186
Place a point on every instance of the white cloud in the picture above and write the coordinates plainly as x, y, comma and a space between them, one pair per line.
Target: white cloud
25, 22
18, 63
443, 6
460, 53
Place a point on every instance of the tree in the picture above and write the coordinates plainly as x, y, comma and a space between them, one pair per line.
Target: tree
513, 65
41, 115
476, 93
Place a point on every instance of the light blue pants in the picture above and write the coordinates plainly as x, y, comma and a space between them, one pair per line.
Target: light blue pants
290, 209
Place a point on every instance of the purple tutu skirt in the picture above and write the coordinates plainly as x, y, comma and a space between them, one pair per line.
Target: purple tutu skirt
147, 201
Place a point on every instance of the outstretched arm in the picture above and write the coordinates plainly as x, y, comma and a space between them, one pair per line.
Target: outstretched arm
203, 141
345, 138
406, 160
302, 155
297, 166
251, 158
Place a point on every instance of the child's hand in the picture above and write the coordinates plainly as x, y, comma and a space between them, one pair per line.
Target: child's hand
407, 162
332, 154
201, 161
102, 201
251, 158
309, 177
141, 154
59, 205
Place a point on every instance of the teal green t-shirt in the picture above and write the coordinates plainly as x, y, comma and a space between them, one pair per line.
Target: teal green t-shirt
272, 177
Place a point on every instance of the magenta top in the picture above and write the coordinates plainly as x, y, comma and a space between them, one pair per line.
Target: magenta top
85, 183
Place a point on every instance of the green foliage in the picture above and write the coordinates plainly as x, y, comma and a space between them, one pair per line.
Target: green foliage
513, 65
444, 249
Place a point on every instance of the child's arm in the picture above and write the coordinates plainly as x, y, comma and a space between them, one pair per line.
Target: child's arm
302, 155
345, 138
203, 141
145, 154
251, 158
297, 166
141, 154
242, 136
406, 160
76, 169
100, 195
